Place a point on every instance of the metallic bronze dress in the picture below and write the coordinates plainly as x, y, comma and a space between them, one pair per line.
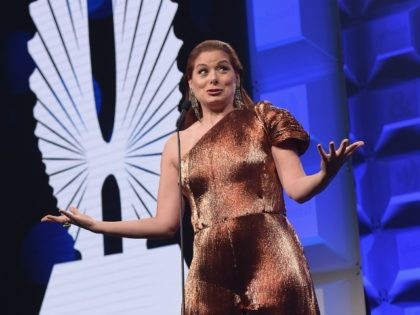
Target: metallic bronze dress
246, 256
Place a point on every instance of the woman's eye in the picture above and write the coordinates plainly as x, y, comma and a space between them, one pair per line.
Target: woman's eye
223, 68
202, 71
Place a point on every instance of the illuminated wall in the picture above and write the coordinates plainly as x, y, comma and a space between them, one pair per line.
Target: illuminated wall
302, 54
382, 67
296, 64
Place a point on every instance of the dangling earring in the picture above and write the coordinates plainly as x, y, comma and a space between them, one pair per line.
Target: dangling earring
195, 106
238, 98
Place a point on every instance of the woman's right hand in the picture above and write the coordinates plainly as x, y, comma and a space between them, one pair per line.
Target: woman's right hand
71, 216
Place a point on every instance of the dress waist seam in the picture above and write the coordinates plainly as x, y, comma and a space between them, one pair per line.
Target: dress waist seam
226, 220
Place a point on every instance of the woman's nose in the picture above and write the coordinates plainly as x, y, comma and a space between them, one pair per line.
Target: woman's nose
213, 77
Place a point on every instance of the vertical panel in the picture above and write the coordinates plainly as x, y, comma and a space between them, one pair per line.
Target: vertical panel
299, 68
382, 65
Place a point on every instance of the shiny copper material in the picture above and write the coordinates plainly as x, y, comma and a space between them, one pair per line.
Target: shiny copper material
247, 258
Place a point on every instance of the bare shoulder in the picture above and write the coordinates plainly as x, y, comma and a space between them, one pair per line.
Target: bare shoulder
171, 142
190, 131
170, 146
170, 150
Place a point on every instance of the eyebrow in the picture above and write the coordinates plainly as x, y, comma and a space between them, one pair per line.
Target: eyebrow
220, 62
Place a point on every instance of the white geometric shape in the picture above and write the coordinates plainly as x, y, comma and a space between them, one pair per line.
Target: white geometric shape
340, 292
116, 284
76, 157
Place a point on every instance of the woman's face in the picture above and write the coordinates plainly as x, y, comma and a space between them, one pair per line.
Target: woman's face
213, 80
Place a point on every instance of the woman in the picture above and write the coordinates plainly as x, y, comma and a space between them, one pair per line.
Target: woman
237, 159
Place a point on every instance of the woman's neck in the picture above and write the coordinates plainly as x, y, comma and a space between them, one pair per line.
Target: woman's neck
210, 118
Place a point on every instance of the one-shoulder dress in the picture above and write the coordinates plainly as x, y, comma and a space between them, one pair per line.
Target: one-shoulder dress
246, 255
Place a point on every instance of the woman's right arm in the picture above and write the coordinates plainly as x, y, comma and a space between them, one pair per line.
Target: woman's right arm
164, 224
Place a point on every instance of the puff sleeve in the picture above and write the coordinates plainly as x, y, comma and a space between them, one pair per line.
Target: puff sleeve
281, 126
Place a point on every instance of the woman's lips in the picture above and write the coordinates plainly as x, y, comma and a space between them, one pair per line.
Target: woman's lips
214, 91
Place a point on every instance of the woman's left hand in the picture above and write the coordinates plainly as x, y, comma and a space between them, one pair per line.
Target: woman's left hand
332, 161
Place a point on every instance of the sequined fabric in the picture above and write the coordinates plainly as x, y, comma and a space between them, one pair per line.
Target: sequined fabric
247, 258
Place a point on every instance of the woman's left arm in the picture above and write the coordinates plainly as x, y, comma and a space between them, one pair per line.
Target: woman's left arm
302, 187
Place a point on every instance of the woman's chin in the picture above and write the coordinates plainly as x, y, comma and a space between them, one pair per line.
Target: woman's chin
219, 106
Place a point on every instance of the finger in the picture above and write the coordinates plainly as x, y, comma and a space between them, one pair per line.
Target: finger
46, 218
332, 149
68, 218
74, 210
322, 152
54, 218
64, 212
359, 143
350, 150
342, 149
67, 214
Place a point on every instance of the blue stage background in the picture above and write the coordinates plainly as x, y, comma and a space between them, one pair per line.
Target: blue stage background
301, 55
381, 63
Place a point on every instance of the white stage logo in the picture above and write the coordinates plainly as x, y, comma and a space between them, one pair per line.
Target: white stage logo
78, 160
